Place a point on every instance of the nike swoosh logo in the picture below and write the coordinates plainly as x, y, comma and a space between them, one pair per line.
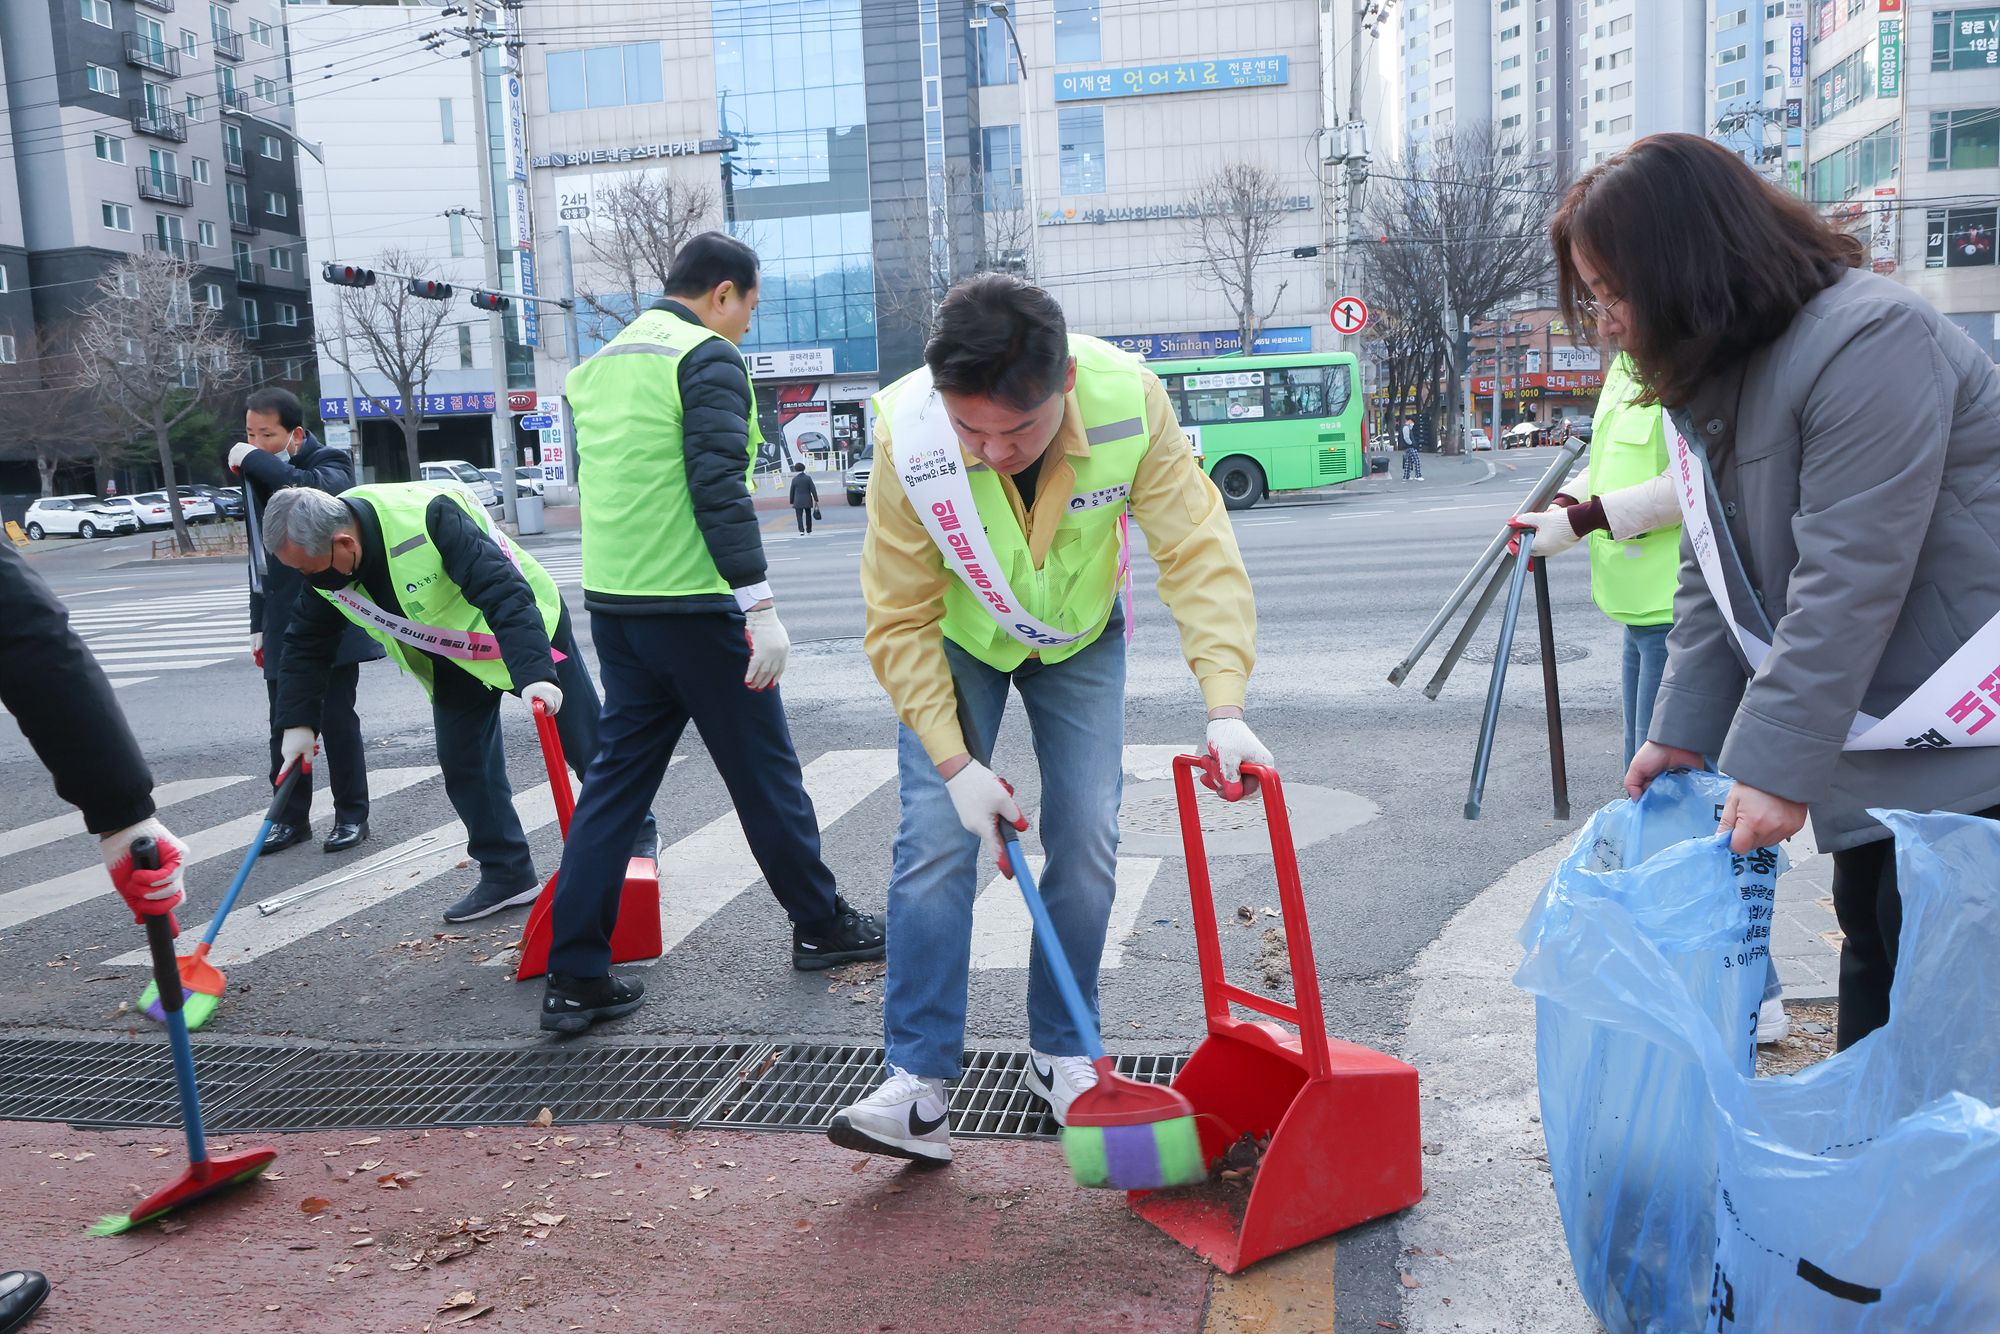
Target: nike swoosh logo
920, 1127
1048, 1076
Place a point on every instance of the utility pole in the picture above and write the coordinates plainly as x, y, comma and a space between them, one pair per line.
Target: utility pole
1001, 10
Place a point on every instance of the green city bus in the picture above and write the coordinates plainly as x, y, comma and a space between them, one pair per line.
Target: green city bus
1269, 423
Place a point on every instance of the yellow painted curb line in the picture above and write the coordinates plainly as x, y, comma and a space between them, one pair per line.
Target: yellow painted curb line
1286, 1294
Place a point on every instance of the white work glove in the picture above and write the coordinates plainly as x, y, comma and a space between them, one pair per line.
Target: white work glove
237, 453
257, 647
1231, 745
769, 646
981, 797
146, 893
296, 744
1553, 534
548, 692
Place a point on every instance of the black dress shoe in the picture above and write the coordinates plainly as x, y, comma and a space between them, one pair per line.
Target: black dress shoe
283, 836
345, 836
21, 1294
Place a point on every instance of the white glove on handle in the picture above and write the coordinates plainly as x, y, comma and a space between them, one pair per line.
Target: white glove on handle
769, 646
237, 453
548, 692
981, 798
1233, 744
298, 743
145, 892
1553, 535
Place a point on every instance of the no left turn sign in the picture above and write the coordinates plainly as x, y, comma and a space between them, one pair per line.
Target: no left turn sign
1350, 314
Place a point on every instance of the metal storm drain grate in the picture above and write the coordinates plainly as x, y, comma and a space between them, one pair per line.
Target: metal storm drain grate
122, 1083
805, 1084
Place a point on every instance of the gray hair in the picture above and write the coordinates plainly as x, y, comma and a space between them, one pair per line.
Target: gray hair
305, 517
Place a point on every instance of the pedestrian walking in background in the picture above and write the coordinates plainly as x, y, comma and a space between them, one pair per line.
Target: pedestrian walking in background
280, 454
684, 624
1413, 459
805, 498
1839, 439
1018, 448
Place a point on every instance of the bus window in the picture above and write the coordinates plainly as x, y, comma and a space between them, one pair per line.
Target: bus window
1300, 392
1235, 396
1338, 388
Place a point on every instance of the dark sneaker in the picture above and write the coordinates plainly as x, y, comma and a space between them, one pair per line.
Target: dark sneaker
905, 1118
489, 897
856, 937
572, 1004
283, 836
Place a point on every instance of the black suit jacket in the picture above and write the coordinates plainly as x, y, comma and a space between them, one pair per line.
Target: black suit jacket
323, 468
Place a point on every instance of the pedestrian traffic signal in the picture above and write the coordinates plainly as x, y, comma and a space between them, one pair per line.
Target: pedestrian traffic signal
1304, 251
347, 275
430, 289
490, 301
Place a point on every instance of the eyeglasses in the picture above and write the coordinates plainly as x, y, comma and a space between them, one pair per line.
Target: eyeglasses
1596, 309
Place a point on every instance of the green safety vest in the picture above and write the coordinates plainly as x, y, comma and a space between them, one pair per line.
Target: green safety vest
640, 538
426, 593
1632, 581
1076, 586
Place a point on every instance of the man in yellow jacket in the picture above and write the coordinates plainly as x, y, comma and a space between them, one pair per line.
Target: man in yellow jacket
995, 555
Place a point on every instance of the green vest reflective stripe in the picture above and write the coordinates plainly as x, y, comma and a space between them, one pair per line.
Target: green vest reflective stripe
640, 538
1631, 581
426, 593
1078, 582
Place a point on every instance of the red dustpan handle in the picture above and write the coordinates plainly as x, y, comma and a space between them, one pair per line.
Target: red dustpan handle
552, 755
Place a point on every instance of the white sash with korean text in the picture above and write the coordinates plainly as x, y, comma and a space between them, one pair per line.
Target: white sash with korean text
465, 645
927, 460
1952, 708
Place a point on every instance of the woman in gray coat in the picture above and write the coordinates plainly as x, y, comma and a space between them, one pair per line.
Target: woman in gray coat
1851, 493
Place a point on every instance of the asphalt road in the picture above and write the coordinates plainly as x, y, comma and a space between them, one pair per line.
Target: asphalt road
1345, 579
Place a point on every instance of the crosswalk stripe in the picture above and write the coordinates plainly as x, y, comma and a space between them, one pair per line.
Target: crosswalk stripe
66, 891
68, 826
150, 654
1002, 931
167, 634
118, 681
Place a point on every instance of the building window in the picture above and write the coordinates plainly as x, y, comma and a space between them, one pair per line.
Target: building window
288, 315
1541, 54
96, 11
1842, 86
1506, 5
994, 49
1080, 139
117, 217
1622, 125
1002, 145
1510, 122
1621, 25
1856, 166
101, 80
1542, 25
1732, 54
465, 347
293, 369
1732, 20
1076, 31
281, 258
1541, 145
260, 33
1442, 31
194, 104
1965, 39
276, 205
1509, 34
1771, 81
249, 308
1442, 88
199, 167
1965, 140
271, 146
1544, 113
110, 148
211, 295
264, 88
204, 234
1724, 92
605, 76
1442, 59
1443, 116
1620, 91
1506, 93
1541, 85
1511, 62
7, 349
446, 129
190, 44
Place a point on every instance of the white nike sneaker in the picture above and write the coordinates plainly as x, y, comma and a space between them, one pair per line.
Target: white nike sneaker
1056, 1080
905, 1118
1773, 1024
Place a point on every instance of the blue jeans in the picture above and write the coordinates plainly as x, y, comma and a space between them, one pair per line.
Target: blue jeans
1076, 711
1645, 660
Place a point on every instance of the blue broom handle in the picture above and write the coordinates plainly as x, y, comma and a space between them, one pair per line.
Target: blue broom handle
278, 801
1052, 950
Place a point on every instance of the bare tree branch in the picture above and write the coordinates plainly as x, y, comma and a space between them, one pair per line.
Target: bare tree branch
1231, 230
637, 227
46, 412
980, 223
401, 338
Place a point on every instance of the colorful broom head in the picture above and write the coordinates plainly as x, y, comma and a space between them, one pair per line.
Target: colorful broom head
1138, 1157
197, 1007
198, 1182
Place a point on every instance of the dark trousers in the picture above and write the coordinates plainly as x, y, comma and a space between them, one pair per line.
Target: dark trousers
340, 740
467, 713
660, 672
1870, 909
805, 517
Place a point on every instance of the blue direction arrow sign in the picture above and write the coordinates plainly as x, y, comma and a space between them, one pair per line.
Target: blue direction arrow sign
538, 422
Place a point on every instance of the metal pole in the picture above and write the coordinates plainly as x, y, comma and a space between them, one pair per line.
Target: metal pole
1005, 11
1551, 694
496, 329
340, 307
569, 295
1499, 371
1471, 626
1490, 720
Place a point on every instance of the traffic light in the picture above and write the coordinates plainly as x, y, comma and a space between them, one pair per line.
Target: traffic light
347, 275
430, 289
490, 301
1304, 251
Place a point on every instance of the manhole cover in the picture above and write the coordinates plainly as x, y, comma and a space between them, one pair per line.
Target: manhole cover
1528, 656
1161, 814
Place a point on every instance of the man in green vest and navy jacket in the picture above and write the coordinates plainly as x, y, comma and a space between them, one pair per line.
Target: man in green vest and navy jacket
457, 605
997, 548
683, 620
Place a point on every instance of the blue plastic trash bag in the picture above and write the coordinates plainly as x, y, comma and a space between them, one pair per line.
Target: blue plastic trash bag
1860, 1195
1620, 960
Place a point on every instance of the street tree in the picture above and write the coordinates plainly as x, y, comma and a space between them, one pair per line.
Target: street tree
638, 225
968, 222
1232, 234
1460, 230
395, 336
152, 353
49, 414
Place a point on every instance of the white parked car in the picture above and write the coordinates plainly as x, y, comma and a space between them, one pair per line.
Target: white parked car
151, 514
194, 508
79, 516
530, 480
1480, 440
459, 473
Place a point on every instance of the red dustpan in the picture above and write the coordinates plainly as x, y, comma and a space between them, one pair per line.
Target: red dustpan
1345, 1144
637, 935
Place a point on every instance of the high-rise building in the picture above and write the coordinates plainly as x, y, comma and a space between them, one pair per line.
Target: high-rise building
135, 126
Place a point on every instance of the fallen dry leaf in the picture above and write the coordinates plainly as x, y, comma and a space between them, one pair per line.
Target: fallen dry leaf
1408, 1281
897, 1190
172, 1225
462, 1299
548, 1220
802, 1226
372, 1164
360, 1143
468, 1315
860, 1165
81, 1156
274, 1308
544, 1118
362, 1241
592, 1176
700, 1192
404, 1266
1388, 1324
159, 1151
314, 1205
